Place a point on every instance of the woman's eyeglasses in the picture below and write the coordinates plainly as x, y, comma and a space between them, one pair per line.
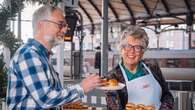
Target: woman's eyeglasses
61, 24
129, 47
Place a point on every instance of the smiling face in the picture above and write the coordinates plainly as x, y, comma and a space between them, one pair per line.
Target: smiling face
131, 51
49, 26
133, 43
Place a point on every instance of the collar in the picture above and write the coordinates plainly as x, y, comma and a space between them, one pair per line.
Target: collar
40, 47
142, 68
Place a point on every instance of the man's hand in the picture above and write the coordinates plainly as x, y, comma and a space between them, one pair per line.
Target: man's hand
91, 82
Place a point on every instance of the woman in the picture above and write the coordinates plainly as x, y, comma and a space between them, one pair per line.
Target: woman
144, 81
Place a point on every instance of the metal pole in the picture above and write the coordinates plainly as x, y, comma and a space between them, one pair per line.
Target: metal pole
189, 36
13, 26
158, 45
183, 42
60, 56
189, 22
104, 38
81, 44
71, 59
19, 24
60, 62
92, 36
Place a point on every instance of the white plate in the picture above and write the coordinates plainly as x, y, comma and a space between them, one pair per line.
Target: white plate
112, 88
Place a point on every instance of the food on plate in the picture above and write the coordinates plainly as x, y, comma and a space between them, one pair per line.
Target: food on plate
110, 82
140, 107
113, 82
130, 106
76, 105
150, 107
104, 81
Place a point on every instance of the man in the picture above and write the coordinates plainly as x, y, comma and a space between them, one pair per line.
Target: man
33, 83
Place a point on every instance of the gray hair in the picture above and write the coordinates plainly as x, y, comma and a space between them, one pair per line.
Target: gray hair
135, 32
43, 13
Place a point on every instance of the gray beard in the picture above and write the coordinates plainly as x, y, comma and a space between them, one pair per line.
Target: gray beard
52, 41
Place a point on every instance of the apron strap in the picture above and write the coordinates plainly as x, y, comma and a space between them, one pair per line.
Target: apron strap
146, 68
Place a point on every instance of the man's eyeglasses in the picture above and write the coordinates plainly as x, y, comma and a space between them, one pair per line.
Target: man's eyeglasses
136, 48
61, 24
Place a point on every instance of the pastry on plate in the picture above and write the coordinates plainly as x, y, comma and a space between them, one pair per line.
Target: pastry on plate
140, 107
113, 82
150, 107
130, 106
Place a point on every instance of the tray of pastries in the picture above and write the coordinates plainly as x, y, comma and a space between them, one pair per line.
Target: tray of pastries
131, 106
76, 106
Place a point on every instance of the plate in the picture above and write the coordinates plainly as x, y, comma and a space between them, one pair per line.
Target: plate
112, 88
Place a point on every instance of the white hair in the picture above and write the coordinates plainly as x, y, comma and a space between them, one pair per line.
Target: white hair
134, 32
43, 13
